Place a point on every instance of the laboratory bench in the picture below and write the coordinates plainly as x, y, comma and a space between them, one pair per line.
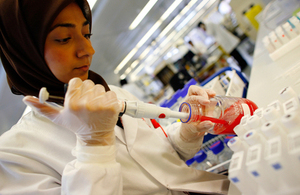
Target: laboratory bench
269, 77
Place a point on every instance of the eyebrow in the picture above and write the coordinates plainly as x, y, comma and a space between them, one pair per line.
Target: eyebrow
68, 25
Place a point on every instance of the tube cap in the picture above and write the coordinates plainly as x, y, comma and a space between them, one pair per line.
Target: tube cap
291, 121
217, 147
270, 129
277, 105
190, 161
259, 112
200, 156
254, 122
244, 119
271, 114
227, 138
287, 93
239, 130
235, 144
252, 137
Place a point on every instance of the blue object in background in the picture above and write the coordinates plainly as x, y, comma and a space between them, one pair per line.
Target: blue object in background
190, 161
217, 147
200, 156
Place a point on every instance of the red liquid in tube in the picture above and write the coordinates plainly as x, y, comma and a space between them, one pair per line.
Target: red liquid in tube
225, 112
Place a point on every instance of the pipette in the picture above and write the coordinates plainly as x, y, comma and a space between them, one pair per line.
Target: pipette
134, 109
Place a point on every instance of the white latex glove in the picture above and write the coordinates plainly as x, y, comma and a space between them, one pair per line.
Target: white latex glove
89, 111
192, 132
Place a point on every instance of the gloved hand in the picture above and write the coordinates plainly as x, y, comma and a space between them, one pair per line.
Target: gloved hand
192, 132
89, 111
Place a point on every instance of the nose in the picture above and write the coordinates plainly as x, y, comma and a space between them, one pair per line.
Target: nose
85, 48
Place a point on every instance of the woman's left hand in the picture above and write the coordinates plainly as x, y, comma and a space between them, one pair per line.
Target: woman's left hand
192, 132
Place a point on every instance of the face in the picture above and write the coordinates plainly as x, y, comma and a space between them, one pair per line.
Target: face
68, 50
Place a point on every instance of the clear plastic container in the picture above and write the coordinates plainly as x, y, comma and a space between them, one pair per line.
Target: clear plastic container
222, 153
202, 161
226, 112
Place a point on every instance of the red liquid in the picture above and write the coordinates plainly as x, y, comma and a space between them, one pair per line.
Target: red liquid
214, 120
233, 116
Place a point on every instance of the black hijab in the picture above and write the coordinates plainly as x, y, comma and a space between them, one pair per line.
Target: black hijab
24, 25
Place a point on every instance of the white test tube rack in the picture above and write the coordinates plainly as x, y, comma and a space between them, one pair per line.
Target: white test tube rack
270, 162
284, 38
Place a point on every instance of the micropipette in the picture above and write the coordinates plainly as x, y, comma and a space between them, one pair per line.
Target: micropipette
134, 109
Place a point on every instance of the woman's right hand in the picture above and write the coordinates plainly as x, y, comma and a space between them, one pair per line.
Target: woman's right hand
89, 111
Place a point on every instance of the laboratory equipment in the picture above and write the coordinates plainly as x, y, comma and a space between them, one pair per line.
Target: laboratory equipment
292, 33
203, 162
190, 162
267, 150
225, 112
135, 109
283, 39
237, 172
227, 138
222, 154
200, 158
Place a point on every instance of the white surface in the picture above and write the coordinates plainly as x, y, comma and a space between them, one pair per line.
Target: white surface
269, 77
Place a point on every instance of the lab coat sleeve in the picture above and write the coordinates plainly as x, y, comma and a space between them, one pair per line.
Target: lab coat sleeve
185, 150
95, 171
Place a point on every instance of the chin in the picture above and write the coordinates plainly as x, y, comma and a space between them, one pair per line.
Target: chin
83, 78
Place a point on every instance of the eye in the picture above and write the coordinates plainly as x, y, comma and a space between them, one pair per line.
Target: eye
63, 40
88, 36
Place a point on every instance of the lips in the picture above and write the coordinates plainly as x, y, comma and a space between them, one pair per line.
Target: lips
83, 68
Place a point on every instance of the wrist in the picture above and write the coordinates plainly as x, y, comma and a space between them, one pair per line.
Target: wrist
189, 147
192, 137
103, 138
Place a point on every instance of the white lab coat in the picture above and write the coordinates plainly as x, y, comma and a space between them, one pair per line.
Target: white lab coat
35, 158
223, 37
198, 39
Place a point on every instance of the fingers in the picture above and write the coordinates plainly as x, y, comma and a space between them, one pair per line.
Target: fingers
73, 93
211, 93
99, 90
87, 92
43, 108
79, 93
204, 126
105, 101
192, 132
88, 96
197, 100
199, 95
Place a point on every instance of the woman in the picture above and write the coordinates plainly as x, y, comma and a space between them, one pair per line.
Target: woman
83, 147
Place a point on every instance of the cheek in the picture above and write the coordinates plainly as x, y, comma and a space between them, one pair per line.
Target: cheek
58, 61
54, 59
